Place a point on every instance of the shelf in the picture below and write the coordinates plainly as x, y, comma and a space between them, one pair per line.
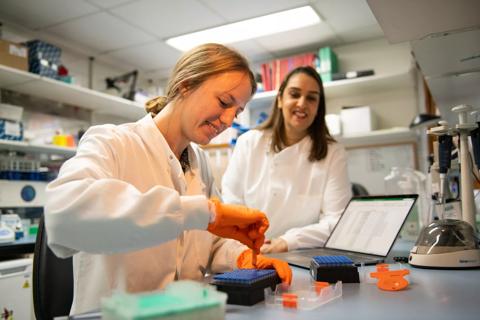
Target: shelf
348, 87
397, 135
33, 84
36, 148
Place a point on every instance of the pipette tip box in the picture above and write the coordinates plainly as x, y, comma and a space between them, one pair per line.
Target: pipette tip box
246, 286
333, 268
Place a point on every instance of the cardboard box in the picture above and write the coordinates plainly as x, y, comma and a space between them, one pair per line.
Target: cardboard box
357, 120
13, 55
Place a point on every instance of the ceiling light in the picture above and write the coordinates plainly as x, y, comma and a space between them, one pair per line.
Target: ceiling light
249, 29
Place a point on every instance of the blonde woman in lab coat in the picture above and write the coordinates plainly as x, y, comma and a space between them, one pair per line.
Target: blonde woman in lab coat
132, 206
292, 169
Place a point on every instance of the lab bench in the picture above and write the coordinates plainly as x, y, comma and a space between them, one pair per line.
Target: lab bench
432, 294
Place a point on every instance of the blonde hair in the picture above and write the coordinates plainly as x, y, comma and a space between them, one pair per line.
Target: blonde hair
195, 67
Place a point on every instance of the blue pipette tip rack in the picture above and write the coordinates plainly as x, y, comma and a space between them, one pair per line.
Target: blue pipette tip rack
332, 260
246, 286
245, 276
334, 268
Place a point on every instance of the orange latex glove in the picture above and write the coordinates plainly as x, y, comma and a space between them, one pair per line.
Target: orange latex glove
240, 223
244, 261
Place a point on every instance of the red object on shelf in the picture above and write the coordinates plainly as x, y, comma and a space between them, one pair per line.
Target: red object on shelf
62, 71
273, 72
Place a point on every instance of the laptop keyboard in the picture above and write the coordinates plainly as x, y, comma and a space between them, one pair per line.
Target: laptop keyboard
354, 256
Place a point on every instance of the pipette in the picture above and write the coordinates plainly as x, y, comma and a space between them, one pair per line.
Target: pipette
445, 146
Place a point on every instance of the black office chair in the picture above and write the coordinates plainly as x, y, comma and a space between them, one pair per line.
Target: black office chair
52, 280
359, 190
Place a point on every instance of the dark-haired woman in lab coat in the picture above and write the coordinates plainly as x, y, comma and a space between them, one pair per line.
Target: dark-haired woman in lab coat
292, 169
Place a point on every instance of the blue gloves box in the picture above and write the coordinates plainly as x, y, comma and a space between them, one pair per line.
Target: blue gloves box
11, 130
43, 58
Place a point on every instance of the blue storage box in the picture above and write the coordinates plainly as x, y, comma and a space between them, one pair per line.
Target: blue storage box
38, 50
44, 68
11, 130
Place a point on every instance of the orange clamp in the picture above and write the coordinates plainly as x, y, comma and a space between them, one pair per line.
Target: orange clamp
289, 300
390, 280
319, 285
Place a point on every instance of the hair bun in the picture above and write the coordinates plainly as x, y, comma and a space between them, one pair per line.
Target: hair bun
155, 105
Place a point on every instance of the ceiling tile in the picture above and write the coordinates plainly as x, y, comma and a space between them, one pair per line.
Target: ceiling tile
152, 56
345, 15
35, 15
108, 3
413, 20
361, 34
129, 33
252, 50
101, 32
240, 10
304, 37
169, 18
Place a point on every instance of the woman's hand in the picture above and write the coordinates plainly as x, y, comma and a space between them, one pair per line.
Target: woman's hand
274, 245
245, 261
240, 223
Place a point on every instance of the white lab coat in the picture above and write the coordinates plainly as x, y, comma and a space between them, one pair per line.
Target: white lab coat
129, 215
303, 200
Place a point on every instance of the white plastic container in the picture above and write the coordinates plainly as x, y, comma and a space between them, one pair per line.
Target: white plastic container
357, 120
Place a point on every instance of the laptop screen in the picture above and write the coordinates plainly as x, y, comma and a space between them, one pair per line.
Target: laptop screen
371, 224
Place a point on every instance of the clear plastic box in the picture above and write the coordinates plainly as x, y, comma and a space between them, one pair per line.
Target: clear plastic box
303, 297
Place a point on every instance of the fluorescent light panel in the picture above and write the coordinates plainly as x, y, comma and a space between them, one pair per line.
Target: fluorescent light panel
249, 29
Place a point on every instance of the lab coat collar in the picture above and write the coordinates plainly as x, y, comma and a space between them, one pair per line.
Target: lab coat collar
155, 140
303, 145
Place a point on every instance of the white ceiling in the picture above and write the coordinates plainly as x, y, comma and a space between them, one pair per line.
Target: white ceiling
131, 33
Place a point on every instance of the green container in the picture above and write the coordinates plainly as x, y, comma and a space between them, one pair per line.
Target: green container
326, 76
33, 230
327, 61
181, 300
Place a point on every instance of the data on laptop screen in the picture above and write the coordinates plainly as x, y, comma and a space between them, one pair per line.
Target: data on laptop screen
370, 225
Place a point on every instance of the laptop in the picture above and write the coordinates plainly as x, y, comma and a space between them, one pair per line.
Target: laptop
365, 232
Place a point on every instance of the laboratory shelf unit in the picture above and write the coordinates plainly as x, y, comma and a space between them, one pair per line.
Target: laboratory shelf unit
35, 85
26, 147
348, 87
392, 136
